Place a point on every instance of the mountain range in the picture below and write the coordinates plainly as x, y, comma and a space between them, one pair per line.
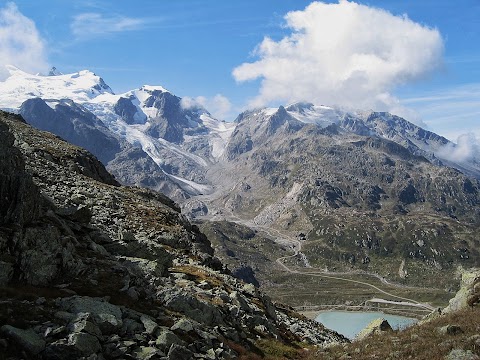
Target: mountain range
362, 189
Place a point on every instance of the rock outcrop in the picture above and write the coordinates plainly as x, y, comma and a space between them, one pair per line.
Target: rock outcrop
469, 293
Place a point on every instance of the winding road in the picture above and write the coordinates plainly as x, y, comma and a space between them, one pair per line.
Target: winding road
297, 249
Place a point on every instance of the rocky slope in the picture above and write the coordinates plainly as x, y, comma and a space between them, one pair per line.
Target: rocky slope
91, 269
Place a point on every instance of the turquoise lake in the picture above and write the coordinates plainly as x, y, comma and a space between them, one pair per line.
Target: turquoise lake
350, 323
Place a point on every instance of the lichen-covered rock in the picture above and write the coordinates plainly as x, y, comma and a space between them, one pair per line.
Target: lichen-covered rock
467, 290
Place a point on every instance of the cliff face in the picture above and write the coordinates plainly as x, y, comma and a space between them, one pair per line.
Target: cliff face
92, 269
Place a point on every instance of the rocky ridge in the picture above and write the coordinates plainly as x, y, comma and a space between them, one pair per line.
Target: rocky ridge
92, 269
362, 201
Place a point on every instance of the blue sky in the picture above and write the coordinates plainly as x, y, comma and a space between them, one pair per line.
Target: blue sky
196, 48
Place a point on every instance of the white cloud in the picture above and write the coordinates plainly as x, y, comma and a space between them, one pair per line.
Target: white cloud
20, 43
465, 150
88, 25
346, 54
219, 106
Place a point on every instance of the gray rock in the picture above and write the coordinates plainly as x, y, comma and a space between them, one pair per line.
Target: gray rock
459, 354
64, 315
27, 339
450, 330
61, 350
149, 325
183, 325
376, 326
178, 352
131, 327
166, 338
148, 353
107, 316
194, 308
84, 322
85, 343
467, 290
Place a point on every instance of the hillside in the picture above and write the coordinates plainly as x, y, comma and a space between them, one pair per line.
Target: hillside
92, 269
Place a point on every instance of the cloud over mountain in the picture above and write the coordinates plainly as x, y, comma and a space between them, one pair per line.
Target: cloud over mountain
344, 53
20, 42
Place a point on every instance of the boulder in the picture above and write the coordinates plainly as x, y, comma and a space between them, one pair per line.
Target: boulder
178, 352
183, 325
450, 330
60, 350
85, 343
26, 339
467, 290
149, 325
375, 327
107, 316
194, 308
148, 353
167, 338
84, 322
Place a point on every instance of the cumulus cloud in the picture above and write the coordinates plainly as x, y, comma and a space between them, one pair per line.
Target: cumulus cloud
346, 54
465, 150
20, 42
219, 106
88, 25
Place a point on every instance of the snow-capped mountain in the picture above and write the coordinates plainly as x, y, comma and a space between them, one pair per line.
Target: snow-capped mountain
150, 137
417, 140
167, 143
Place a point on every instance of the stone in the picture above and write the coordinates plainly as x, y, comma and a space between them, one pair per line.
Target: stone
27, 339
148, 353
459, 354
467, 286
194, 308
450, 330
183, 325
84, 322
131, 327
376, 326
166, 338
178, 352
60, 350
149, 325
107, 316
210, 354
85, 343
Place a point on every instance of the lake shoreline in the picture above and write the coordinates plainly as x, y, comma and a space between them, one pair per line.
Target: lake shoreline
312, 314
351, 323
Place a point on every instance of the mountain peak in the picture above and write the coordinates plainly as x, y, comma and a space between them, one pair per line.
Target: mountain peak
80, 87
54, 72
